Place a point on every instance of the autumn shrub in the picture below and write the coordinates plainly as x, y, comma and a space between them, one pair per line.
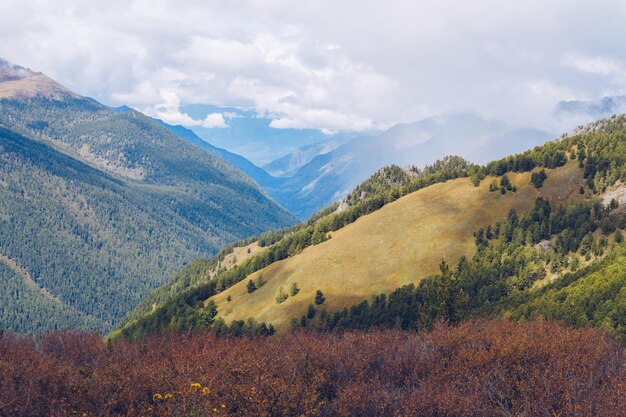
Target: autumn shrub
483, 368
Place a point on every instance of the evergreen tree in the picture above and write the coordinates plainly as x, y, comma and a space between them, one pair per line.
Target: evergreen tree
319, 297
537, 178
506, 183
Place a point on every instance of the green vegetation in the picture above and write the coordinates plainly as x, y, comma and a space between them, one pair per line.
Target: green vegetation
502, 274
511, 255
391, 182
291, 241
600, 150
319, 297
537, 178
25, 308
101, 208
77, 232
505, 184
281, 296
594, 296
294, 289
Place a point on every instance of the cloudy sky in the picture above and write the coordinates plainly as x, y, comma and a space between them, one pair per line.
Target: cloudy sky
329, 65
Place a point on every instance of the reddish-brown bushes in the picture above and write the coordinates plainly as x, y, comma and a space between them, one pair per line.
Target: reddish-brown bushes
476, 369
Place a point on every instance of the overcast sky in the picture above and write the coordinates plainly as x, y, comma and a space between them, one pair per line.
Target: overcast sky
332, 65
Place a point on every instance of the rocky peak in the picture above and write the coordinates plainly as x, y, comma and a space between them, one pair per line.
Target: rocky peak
20, 83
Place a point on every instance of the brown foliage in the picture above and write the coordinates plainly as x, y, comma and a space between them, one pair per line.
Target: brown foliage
493, 368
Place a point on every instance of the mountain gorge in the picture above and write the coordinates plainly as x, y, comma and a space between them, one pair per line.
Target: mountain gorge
98, 207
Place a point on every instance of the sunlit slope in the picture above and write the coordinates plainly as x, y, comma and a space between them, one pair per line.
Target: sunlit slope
401, 243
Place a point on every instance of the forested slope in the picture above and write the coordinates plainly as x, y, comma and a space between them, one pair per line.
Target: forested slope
101, 207
506, 229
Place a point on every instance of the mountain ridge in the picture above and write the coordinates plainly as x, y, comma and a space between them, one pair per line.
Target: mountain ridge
22, 83
419, 226
100, 206
330, 176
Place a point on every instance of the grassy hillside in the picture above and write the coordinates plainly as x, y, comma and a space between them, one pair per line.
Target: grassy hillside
204, 277
503, 229
394, 246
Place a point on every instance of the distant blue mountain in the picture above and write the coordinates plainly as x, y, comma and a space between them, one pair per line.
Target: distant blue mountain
313, 176
288, 164
330, 176
250, 135
604, 107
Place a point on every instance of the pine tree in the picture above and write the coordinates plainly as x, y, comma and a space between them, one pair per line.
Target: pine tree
319, 297
506, 183
537, 178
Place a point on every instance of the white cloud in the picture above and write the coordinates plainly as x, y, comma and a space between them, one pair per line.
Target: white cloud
322, 119
349, 65
214, 120
169, 110
594, 65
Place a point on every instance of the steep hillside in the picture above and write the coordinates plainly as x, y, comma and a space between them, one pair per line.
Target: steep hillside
242, 258
100, 207
262, 178
397, 245
502, 231
593, 296
208, 191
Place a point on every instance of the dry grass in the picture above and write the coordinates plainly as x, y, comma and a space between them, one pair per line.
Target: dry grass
399, 244
25, 84
237, 257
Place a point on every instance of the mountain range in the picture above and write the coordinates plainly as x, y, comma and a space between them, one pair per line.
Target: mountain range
100, 206
316, 175
330, 176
